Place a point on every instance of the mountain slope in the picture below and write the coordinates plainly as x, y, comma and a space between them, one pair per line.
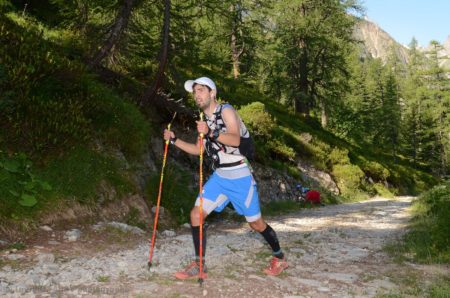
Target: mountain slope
377, 42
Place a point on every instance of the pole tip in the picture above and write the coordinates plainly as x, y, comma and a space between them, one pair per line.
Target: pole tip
200, 281
149, 264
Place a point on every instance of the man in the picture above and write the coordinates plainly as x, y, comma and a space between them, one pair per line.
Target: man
232, 180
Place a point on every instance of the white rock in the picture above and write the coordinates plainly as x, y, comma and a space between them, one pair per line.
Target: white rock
14, 257
98, 226
46, 258
309, 282
126, 228
72, 235
161, 210
169, 233
46, 228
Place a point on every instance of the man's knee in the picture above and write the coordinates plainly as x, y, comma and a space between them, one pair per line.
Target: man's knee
258, 225
195, 215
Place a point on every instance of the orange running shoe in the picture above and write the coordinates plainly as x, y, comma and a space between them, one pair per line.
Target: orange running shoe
276, 266
191, 271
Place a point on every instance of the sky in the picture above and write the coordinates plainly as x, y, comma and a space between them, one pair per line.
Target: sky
425, 20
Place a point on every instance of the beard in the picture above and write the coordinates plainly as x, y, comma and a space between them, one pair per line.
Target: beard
203, 104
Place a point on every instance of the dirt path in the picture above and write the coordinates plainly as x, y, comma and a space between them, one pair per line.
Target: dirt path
333, 251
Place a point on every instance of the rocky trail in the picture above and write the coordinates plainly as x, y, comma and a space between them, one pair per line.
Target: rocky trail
333, 251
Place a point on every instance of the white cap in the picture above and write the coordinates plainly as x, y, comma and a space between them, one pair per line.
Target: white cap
189, 84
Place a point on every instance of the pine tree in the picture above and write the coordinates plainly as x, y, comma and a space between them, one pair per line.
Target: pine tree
413, 124
313, 39
439, 109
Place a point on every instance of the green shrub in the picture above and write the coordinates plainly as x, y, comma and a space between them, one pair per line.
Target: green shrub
257, 119
263, 129
280, 150
339, 156
383, 191
20, 186
375, 170
348, 178
321, 152
410, 181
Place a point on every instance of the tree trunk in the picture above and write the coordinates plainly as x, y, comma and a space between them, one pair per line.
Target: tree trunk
415, 127
84, 16
234, 55
301, 104
119, 26
323, 113
235, 51
151, 92
442, 153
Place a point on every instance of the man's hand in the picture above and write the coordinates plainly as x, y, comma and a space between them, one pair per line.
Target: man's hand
168, 134
202, 127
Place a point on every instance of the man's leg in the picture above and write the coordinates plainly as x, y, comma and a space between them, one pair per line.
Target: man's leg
192, 270
278, 262
195, 228
269, 235
213, 199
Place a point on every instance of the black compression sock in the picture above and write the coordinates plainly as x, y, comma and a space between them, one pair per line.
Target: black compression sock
196, 239
271, 238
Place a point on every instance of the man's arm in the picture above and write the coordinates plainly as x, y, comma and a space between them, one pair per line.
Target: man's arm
190, 148
233, 136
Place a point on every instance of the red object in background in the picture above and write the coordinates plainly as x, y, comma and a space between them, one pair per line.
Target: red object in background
313, 196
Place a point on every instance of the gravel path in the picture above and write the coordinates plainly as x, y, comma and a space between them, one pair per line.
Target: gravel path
333, 251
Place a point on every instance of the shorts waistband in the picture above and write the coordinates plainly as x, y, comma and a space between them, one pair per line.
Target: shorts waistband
239, 171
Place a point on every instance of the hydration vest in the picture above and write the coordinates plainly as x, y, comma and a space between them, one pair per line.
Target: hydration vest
224, 155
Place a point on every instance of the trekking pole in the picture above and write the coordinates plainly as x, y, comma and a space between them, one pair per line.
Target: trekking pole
166, 149
200, 278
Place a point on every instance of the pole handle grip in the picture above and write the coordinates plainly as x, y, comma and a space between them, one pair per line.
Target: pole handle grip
201, 119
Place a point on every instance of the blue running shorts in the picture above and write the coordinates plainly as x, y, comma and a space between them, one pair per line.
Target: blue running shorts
235, 185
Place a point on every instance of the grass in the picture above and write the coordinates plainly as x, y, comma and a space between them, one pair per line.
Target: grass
411, 285
133, 218
440, 289
229, 272
115, 235
79, 172
17, 245
14, 264
280, 207
178, 194
103, 278
428, 240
